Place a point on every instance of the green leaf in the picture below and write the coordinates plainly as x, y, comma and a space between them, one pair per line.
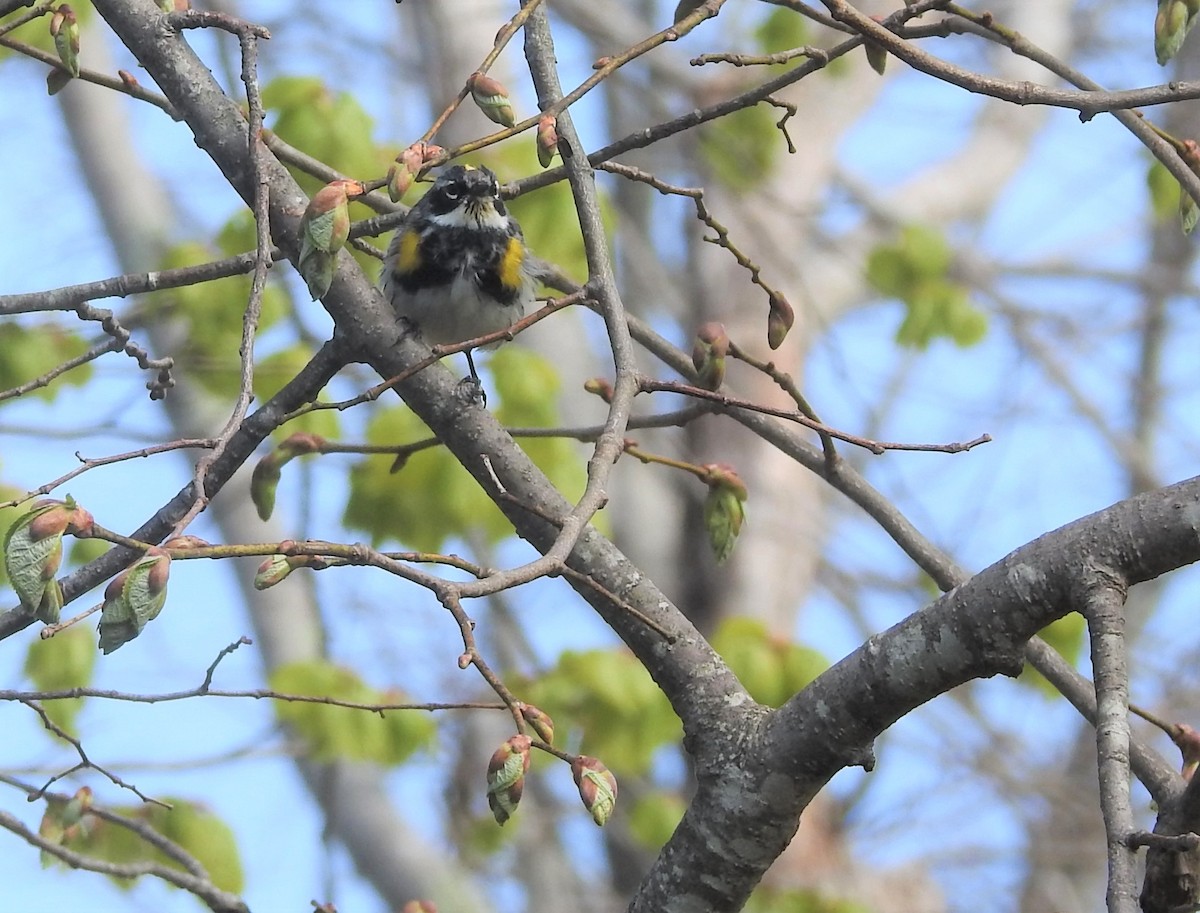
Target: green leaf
1067, 636
916, 270
60, 663
781, 30
8, 516
1164, 191
654, 817
194, 828
275, 370
741, 148
771, 668
344, 732
1172, 23
610, 698
332, 127
32, 560
37, 31
29, 351
212, 316
769, 899
205, 836
432, 498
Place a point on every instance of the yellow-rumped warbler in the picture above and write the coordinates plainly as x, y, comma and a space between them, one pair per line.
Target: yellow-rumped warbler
458, 267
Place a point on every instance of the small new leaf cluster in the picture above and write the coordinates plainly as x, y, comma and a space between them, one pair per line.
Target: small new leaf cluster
408, 166
724, 508
597, 787
510, 762
33, 551
64, 29
506, 776
708, 355
1172, 23
918, 270
134, 598
65, 822
265, 479
324, 228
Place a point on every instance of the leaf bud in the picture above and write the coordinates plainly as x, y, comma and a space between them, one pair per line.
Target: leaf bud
600, 387
708, 354
597, 787
779, 320
506, 776
724, 508
33, 552
491, 97
547, 139
64, 28
271, 571
324, 228
539, 721
263, 483
1172, 23
133, 599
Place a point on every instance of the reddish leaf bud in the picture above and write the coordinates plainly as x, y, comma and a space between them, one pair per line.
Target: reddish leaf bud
547, 139
600, 387
539, 721
597, 787
491, 97
64, 28
133, 599
779, 320
506, 776
708, 354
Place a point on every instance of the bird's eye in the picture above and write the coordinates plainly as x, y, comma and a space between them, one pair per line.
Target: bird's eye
451, 193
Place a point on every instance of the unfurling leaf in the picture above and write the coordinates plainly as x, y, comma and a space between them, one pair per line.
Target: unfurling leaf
1172, 23
506, 776
724, 508
708, 354
324, 228
404, 171
597, 787
268, 471
271, 571
64, 28
133, 599
33, 553
275, 568
263, 482
1189, 212
491, 97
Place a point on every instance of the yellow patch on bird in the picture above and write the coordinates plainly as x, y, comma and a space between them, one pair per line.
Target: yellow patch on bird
408, 260
511, 263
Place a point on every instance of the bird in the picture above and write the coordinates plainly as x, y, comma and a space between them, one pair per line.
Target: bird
458, 266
